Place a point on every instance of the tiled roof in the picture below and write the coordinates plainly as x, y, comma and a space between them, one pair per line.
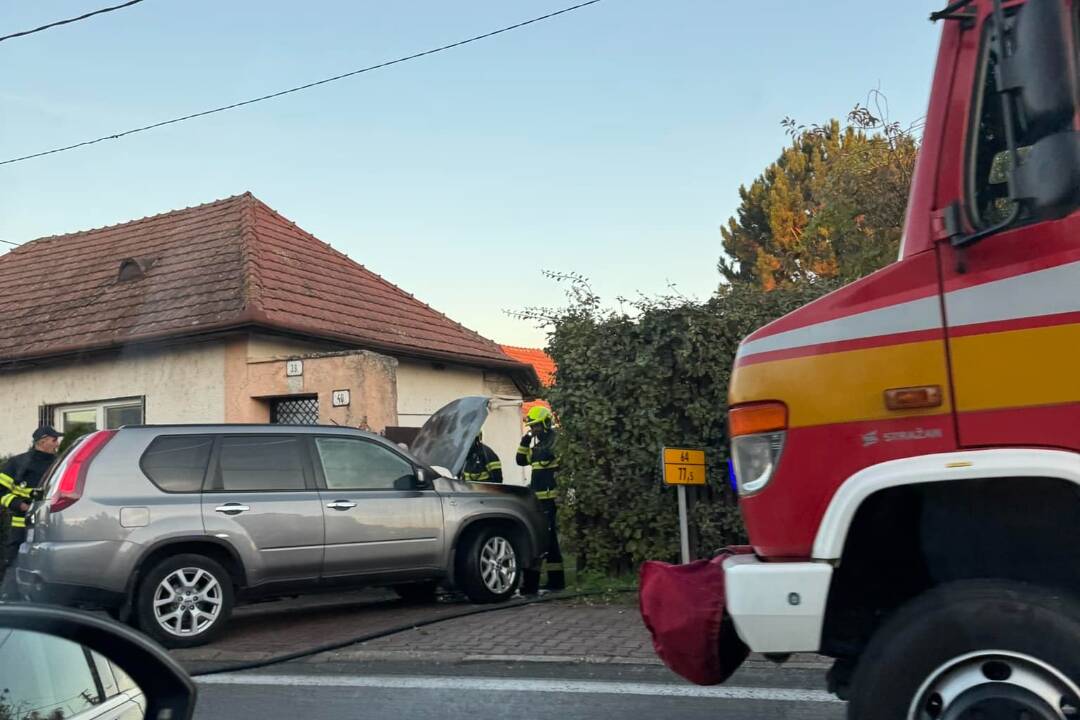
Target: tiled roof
540, 360
228, 264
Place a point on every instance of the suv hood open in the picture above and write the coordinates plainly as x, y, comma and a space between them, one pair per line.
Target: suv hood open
446, 437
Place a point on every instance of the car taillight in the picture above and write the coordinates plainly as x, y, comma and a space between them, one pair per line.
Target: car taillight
69, 487
757, 435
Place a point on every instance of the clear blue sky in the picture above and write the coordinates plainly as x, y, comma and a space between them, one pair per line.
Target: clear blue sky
610, 141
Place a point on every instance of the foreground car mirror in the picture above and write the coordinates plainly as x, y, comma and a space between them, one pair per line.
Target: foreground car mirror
57, 663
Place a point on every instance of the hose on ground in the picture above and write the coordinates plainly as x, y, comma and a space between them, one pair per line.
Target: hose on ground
366, 637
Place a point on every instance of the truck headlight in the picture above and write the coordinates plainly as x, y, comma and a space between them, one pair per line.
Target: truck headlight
755, 458
757, 432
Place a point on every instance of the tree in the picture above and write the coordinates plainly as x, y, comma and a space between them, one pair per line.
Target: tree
832, 205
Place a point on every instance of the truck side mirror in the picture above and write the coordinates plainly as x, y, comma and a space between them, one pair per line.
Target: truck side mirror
1048, 179
1038, 71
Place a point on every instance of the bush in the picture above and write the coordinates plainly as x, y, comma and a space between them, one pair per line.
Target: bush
632, 381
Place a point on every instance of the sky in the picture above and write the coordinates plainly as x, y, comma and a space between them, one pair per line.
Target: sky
609, 142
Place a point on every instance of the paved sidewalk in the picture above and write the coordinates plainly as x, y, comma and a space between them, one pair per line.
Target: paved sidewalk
557, 631
554, 631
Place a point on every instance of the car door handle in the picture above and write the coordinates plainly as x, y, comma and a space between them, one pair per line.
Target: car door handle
341, 505
231, 509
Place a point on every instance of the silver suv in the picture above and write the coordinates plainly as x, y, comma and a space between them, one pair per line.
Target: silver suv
168, 526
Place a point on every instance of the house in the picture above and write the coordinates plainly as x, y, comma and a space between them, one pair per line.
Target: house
229, 312
541, 362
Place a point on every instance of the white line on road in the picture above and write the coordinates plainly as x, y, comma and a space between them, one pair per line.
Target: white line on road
523, 685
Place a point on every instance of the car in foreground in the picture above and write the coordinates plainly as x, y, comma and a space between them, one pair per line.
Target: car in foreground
170, 526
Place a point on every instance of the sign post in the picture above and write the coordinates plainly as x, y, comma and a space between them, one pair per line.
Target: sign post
682, 467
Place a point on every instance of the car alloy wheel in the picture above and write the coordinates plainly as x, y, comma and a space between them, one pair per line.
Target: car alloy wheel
498, 565
187, 602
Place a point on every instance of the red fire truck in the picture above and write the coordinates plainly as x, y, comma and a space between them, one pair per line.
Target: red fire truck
907, 448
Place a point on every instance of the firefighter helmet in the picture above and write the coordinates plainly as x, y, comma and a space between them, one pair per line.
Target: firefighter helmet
538, 415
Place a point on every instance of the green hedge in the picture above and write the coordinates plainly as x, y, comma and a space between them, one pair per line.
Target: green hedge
631, 381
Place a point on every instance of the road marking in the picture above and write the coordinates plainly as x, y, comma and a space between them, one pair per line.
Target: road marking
586, 687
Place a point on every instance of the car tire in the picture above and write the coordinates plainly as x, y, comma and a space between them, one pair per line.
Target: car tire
967, 646
421, 592
489, 566
211, 592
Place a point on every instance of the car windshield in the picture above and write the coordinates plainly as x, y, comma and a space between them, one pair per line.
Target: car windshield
542, 359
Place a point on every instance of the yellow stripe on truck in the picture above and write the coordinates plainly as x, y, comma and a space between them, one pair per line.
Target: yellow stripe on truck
844, 386
1017, 368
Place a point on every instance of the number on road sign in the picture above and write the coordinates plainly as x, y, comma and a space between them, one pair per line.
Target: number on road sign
683, 466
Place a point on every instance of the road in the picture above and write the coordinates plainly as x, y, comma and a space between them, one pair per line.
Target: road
528, 691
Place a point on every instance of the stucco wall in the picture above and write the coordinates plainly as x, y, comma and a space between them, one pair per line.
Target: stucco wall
424, 387
251, 380
181, 385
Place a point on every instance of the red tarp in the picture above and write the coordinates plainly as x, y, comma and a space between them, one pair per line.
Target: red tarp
683, 607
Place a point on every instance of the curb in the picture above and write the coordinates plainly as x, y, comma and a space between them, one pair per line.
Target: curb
809, 662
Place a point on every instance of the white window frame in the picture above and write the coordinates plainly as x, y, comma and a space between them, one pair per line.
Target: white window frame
99, 406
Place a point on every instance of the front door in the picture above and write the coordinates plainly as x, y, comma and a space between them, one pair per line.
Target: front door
261, 499
377, 521
1012, 302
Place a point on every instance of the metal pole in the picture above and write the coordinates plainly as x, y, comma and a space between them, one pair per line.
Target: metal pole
684, 526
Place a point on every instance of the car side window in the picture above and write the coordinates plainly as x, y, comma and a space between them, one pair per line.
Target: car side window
351, 464
249, 463
178, 463
42, 676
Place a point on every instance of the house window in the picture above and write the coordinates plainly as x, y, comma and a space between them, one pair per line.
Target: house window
104, 414
295, 410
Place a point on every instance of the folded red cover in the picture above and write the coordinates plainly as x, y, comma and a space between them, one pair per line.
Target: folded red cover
683, 608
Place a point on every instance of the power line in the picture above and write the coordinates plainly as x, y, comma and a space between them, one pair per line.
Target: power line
10, 243
298, 88
70, 20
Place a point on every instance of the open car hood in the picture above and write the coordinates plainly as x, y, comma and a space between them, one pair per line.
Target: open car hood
446, 437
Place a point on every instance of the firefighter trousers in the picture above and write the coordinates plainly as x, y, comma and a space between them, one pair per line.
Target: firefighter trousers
553, 560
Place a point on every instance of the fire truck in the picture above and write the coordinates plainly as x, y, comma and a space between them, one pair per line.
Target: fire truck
907, 448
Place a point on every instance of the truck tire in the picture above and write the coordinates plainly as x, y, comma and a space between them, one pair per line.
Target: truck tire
973, 649
489, 566
184, 601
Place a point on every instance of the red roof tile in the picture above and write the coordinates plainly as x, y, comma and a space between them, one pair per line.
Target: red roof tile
540, 360
227, 264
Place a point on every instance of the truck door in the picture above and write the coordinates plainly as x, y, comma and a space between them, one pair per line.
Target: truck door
1012, 301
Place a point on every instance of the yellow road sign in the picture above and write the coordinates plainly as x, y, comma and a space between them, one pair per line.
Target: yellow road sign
683, 466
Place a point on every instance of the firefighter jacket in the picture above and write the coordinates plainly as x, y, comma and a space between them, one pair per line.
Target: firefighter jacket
537, 451
482, 465
18, 479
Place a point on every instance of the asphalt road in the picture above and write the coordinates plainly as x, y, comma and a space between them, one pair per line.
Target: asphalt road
525, 691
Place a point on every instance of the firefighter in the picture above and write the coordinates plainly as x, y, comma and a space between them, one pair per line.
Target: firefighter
538, 451
482, 464
18, 479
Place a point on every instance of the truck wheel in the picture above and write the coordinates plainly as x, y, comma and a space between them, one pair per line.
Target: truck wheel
488, 568
421, 592
185, 601
973, 649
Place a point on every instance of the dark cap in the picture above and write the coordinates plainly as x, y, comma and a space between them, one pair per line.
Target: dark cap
45, 431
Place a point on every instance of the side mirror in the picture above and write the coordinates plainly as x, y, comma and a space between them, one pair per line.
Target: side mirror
92, 666
1048, 178
1038, 71
422, 480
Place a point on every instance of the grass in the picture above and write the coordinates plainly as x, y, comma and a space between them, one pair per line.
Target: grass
609, 590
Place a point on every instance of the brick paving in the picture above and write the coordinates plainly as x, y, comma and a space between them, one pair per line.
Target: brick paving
548, 630
559, 631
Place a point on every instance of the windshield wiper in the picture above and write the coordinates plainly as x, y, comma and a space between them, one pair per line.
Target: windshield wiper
952, 12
